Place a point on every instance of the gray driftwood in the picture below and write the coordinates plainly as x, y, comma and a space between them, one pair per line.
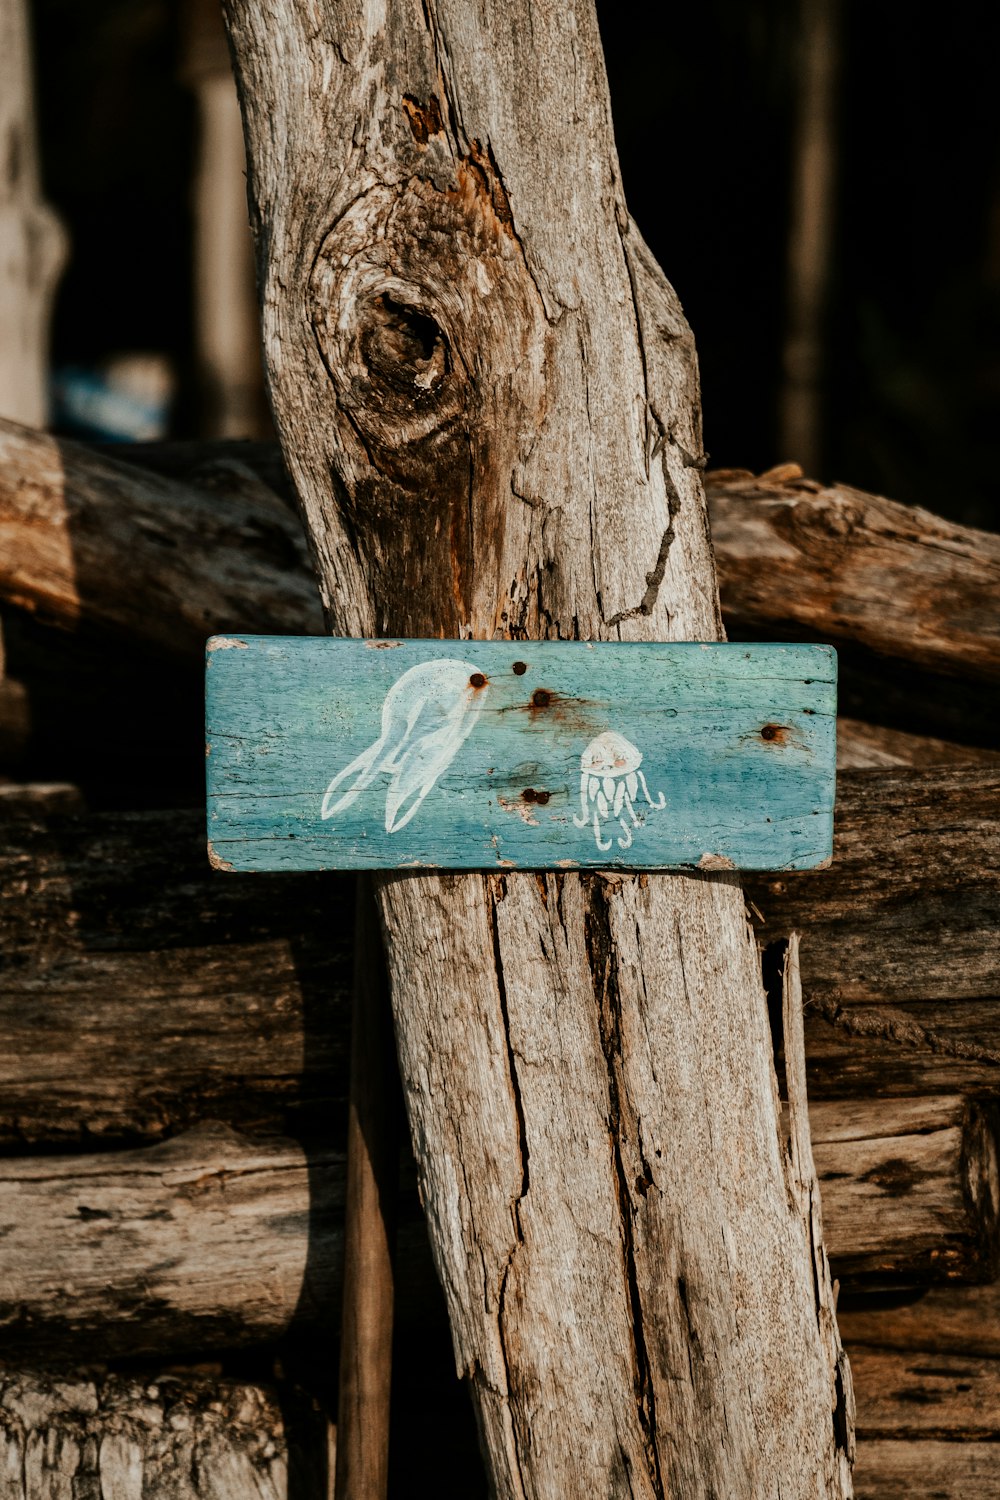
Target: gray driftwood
172, 1435
486, 394
793, 552
212, 1240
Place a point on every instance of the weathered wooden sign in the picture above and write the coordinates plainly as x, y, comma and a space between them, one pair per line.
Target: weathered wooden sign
347, 754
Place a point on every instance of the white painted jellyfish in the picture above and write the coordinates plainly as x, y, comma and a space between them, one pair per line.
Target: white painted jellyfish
426, 718
610, 778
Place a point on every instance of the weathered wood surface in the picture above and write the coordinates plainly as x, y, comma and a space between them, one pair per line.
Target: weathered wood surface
85, 538
871, 941
167, 1434
939, 1320
842, 553
794, 556
205, 1241
193, 1435
925, 1469
926, 1361
910, 1187
212, 1240
32, 240
487, 395
921, 1395
868, 747
391, 754
900, 961
141, 993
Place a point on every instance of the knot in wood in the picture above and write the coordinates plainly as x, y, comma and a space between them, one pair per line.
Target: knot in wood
404, 349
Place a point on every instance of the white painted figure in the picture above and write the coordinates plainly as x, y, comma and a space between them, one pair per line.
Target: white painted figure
426, 718
610, 778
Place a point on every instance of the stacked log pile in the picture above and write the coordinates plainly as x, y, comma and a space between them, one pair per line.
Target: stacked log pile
173, 1075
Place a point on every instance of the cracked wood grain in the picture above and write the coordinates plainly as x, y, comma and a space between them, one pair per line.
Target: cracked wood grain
141, 994
214, 1240
458, 317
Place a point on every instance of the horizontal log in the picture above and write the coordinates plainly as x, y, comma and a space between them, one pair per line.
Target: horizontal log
207, 1436
892, 586
211, 1240
202, 530
866, 747
909, 908
208, 1241
943, 1396
936, 1320
791, 551
86, 538
923, 1469
910, 1188
200, 1242
899, 951
142, 993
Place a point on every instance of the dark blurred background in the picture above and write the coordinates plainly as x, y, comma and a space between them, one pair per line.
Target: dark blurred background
819, 178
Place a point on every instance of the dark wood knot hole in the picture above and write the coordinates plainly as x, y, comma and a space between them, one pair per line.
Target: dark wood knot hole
404, 346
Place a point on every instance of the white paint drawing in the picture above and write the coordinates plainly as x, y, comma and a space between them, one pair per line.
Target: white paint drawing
426, 718
610, 778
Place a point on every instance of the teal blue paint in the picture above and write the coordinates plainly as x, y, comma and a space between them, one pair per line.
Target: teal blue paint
489, 777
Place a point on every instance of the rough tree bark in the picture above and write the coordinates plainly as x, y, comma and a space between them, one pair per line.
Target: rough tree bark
486, 393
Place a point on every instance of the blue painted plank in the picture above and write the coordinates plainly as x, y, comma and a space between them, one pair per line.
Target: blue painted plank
341, 754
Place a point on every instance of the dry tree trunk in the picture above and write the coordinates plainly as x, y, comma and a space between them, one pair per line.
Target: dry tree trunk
810, 236
487, 395
32, 242
227, 345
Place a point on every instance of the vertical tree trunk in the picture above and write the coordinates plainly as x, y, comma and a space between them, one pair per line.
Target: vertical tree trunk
810, 235
487, 395
32, 242
227, 341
